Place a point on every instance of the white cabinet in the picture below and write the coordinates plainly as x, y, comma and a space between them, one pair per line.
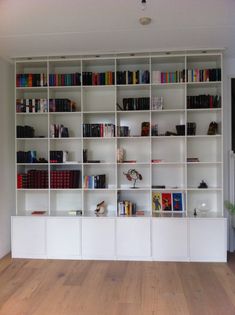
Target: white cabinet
75, 115
98, 238
133, 238
63, 238
170, 239
208, 239
28, 237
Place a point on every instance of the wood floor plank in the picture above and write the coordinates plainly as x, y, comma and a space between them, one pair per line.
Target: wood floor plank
58, 287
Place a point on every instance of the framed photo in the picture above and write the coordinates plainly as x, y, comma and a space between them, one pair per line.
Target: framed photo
156, 201
177, 200
166, 202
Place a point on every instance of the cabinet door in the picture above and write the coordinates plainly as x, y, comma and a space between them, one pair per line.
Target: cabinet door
28, 237
170, 239
133, 238
64, 238
98, 238
208, 239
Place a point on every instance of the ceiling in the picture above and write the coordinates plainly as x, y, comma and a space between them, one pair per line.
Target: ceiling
58, 27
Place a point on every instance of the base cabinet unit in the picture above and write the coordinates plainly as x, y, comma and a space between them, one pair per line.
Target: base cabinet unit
63, 238
98, 238
208, 239
28, 237
170, 239
119, 238
133, 238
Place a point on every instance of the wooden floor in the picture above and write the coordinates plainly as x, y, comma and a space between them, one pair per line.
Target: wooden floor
50, 287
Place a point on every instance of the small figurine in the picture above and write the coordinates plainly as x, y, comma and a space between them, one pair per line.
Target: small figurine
203, 185
195, 212
100, 209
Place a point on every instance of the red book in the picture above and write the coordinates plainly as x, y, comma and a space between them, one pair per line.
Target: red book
166, 202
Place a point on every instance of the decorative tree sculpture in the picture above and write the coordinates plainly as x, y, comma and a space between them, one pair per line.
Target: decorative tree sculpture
133, 175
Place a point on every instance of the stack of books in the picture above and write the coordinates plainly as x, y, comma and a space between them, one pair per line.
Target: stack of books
126, 207
31, 105
95, 78
65, 79
24, 132
99, 130
33, 179
31, 79
204, 101
133, 77
61, 105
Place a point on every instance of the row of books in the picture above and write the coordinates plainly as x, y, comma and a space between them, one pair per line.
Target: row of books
204, 75
31, 105
189, 75
99, 130
24, 131
95, 78
65, 179
33, 179
65, 79
58, 131
31, 79
167, 201
122, 77
204, 101
61, 105
133, 77
136, 103
168, 77
126, 207
94, 181
26, 157
58, 156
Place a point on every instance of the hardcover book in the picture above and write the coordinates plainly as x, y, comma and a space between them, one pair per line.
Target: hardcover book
156, 201
166, 202
177, 199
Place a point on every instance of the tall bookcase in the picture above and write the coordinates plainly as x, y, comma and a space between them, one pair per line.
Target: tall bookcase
103, 102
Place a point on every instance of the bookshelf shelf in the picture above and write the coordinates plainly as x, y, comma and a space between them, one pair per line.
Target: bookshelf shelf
146, 113
103, 82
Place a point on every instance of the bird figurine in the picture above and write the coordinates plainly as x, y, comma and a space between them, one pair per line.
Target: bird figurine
100, 209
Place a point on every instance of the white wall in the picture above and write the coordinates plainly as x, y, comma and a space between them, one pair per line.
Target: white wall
7, 195
229, 72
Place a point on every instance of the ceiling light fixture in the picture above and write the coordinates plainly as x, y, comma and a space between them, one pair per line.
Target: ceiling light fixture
144, 20
143, 4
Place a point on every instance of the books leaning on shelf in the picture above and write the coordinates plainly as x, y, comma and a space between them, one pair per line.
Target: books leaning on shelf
95, 181
139, 103
126, 207
203, 101
24, 132
99, 130
168, 77
31, 105
133, 77
58, 131
32, 179
64, 79
61, 105
96, 78
31, 80
167, 201
204, 75
58, 156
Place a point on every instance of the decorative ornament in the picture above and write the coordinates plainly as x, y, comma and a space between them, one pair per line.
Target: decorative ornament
133, 175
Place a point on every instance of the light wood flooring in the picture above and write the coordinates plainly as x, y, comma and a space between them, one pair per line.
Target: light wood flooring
53, 287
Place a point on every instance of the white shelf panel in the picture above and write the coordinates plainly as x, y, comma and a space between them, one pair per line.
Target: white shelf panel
205, 189
167, 137
204, 110
66, 138
99, 112
204, 136
33, 89
32, 139
33, 164
203, 84
162, 111
175, 84
65, 113
33, 114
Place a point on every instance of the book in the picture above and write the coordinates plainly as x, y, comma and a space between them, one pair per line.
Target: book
145, 128
166, 202
156, 201
177, 200
38, 212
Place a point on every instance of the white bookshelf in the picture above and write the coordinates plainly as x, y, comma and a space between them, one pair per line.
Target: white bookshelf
96, 104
